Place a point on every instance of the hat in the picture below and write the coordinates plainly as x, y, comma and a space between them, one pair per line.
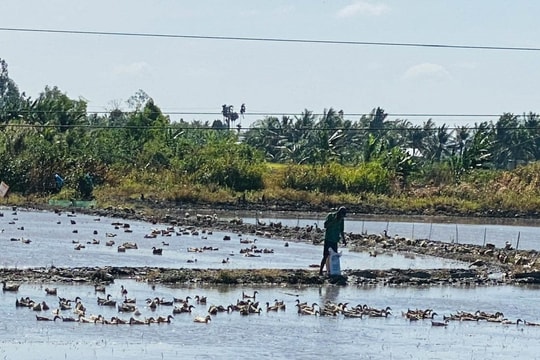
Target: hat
342, 210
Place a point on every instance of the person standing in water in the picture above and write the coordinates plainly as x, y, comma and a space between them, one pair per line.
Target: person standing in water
334, 230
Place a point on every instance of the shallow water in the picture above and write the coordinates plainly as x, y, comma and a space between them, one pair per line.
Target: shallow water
281, 335
276, 335
52, 239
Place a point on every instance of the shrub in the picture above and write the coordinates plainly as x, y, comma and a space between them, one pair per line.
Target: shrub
334, 178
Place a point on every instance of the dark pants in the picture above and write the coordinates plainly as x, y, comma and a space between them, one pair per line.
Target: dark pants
327, 245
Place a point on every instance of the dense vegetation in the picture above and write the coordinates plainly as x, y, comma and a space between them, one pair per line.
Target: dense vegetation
326, 159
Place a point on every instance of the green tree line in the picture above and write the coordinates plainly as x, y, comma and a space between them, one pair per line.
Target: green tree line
328, 153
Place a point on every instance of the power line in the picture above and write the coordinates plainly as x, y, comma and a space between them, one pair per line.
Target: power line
282, 40
240, 128
275, 113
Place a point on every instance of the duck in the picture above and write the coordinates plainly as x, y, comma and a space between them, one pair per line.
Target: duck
37, 307
130, 245
179, 300
419, 314
126, 307
86, 320
100, 320
99, 288
52, 291
250, 309
24, 302
272, 307
152, 303
101, 300
164, 302
162, 319
182, 309
214, 309
64, 305
308, 311
439, 323
133, 321
201, 319
107, 302
10, 287
117, 321
123, 290
466, 317
200, 299
79, 312
129, 300
45, 318
68, 319
304, 306
247, 296
353, 313
157, 251
79, 305
280, 304
379, 312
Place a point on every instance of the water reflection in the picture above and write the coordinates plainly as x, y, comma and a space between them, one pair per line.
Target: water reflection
329, 294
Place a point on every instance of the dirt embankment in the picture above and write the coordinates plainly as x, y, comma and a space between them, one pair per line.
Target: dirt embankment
485, 265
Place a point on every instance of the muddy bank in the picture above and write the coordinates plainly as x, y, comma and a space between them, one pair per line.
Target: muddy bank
270, 277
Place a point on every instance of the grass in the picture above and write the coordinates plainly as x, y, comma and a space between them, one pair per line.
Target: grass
515, 191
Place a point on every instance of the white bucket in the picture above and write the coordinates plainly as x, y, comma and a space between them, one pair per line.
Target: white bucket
333, 264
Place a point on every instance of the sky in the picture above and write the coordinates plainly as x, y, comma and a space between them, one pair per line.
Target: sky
190, 76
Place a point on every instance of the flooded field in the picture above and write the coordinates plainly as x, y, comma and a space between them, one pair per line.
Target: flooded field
41, 239
282, 334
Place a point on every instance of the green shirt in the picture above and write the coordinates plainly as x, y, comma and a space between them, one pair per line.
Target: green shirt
334, 227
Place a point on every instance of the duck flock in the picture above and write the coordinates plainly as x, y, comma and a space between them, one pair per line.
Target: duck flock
199, 309
156, 241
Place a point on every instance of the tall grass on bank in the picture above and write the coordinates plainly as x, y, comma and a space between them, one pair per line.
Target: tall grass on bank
516, 191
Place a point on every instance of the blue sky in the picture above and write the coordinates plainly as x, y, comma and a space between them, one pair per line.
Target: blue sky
199, 75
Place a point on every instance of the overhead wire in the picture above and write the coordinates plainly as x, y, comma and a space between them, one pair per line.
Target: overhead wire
289, 40
279, 113
270, 39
